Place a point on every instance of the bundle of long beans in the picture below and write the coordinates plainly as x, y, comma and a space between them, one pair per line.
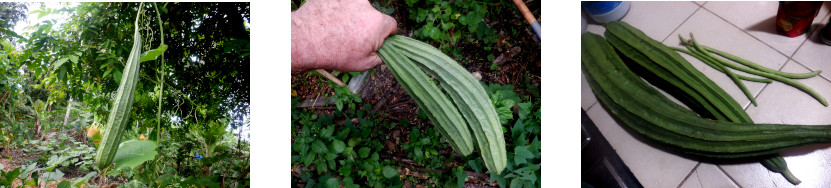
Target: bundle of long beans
705, 54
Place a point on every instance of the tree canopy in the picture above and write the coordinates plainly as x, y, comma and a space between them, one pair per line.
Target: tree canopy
206, 65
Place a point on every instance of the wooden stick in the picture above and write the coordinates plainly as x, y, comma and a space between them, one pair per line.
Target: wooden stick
525, 12
330, 77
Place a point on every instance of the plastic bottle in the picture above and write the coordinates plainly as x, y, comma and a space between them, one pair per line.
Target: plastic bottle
825, 33
585, 23
606, 11
794, 18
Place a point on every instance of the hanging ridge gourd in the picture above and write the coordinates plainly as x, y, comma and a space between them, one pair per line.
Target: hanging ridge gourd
123, 104
468, 96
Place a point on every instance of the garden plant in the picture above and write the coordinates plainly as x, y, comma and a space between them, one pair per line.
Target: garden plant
100, 94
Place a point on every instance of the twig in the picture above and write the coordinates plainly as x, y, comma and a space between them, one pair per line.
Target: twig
330, 77
378, 105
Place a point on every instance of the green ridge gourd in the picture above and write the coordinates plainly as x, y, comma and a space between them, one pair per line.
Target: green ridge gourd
123, 104
642, 108
466, 92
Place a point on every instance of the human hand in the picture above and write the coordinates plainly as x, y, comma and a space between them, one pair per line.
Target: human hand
338, 34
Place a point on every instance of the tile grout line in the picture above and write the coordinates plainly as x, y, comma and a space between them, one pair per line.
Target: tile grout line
682, 23
791, 58
807, 38
809, 69
690, 174
728, 176
699, 179
591, 106
757, 96
745, 32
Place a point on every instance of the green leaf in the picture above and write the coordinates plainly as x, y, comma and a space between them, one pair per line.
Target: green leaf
64, 184
41, 14
421, 113
153, 54
411, 2
389, 172
53, 176
536, 146
327, 132
476, 165
517, 129
31, 183
363, 152
133, 153
332, 182
73, 58
460, 177
524, 110
349, 183
516, 183
319, 147
337, 146
505, 114
307, 158
80, 181
13, 34
321, 165
60, 62
54, 161
435, 33
418, 153
339, 104
521, 155
117, 76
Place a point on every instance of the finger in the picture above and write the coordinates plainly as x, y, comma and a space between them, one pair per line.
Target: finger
367, 63
390, 25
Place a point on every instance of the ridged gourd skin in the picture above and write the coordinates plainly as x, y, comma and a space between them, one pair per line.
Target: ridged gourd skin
122, 106
427, 95
672, 84
466, 93
669, 59
648, 112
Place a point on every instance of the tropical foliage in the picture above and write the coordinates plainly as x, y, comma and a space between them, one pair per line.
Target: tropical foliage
60, 76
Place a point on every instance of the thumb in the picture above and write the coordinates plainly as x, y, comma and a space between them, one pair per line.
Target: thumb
388, 27
370, 61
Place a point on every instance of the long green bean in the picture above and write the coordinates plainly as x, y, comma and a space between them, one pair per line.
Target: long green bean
730, 74
743, 77
779, 78
759, 67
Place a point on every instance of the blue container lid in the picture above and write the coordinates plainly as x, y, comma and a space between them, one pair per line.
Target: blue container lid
599, 7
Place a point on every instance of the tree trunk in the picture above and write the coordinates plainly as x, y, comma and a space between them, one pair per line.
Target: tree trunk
68, 109
37, 123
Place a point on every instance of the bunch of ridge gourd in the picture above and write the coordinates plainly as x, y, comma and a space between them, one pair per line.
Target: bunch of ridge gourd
716, 127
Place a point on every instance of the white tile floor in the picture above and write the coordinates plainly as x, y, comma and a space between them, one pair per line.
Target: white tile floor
745, 29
